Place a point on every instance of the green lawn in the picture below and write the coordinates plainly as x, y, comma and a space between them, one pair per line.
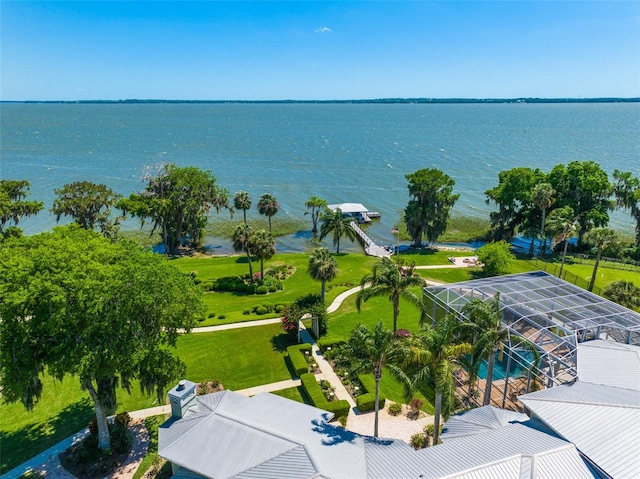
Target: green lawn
238, 358
295, 394
232, 305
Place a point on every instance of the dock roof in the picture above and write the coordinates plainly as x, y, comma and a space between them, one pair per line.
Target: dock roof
348, 208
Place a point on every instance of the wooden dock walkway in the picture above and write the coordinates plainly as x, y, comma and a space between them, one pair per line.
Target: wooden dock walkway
370, 247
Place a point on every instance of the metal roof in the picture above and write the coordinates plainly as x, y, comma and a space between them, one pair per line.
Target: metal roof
602, 421
513, 451
551, 313
227, 435
479, 420
609, 363
349, 208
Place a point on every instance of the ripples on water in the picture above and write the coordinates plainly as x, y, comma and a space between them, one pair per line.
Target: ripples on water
340, 152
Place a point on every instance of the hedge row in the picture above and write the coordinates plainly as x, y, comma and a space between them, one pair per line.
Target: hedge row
313, 390
332, 343
297, 359
367, 402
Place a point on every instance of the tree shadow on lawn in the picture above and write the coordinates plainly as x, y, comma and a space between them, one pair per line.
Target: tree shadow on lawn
20, 446
281, 342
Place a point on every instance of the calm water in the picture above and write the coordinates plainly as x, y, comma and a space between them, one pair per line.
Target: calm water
340, 152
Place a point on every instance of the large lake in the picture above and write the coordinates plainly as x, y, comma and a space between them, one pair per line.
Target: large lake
341, 152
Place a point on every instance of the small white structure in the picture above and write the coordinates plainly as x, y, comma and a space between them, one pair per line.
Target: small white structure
356, 211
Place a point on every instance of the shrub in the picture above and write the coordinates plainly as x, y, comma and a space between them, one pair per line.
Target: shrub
222, 316
251, 289
419, 441
278, 308
123, 418
273, 289
261, 310
416, 405
367, 402
314, 392
262, 290
211, 315
296, 354
246, 311
395, 409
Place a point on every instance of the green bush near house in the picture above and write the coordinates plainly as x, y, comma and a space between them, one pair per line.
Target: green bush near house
314, 392
367, 402
297, 359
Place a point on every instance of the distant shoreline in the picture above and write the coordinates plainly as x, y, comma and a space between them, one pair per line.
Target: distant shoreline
363, 101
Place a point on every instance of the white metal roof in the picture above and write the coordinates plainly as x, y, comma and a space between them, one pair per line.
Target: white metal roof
349, 207
602, 421
514, 451
609, 363
478, 420
227, 435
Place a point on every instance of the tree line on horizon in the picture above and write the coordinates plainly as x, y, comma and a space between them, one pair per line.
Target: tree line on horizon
176, 201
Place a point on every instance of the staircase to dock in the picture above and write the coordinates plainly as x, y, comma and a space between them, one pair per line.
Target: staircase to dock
370, 247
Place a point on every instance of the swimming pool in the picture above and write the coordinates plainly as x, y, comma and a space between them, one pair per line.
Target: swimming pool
500, 367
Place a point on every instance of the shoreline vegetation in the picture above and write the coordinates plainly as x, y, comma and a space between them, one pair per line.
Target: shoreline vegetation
357, 101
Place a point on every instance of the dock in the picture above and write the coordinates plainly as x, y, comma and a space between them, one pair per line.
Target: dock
370, 247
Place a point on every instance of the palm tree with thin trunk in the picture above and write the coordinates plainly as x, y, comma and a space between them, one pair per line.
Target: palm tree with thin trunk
601, 238
542, 197
243, 242
340, 226
562, 224
490, 335
323, 267
627, 193
371, 351
268, 206
241, 201
264, 247
317, 206
436, 353
393, 279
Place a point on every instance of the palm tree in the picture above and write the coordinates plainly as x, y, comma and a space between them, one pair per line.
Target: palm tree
263, 247
268, 206
323, 267
317, 206
490, 335
627, 193
542, 197
393, 279
600, 238
339, 225
563, 225
241, 201
243, 242
371, 352
437, 354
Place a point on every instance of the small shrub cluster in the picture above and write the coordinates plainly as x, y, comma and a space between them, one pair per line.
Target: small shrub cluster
242, 284
208, 387
328, 390
297, 355
425, 438
262, 309
415, 405
314, 393
395, 409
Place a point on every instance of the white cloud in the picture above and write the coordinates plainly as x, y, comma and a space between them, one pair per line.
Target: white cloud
323, 30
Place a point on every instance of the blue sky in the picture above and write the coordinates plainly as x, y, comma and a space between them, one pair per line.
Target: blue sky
318, 50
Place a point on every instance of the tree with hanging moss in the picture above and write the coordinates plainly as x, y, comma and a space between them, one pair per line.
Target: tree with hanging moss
107, 313
432, 198
89, 205
14, 206
177, 201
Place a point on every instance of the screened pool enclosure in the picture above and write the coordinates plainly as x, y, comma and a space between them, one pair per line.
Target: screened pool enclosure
552, 314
